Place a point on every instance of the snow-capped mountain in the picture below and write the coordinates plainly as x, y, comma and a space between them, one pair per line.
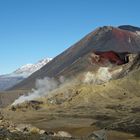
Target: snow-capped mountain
28, 69
9, 80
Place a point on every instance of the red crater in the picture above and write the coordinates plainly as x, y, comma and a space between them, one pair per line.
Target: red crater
110, 56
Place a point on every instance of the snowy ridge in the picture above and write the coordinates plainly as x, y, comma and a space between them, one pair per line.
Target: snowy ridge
9, 80
28, 69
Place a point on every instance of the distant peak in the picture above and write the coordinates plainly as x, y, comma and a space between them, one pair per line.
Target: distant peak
28, 69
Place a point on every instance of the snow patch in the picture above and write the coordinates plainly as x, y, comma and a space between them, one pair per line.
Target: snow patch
28, 69
129, 40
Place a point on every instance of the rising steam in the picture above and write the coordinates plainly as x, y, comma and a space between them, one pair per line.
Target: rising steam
102, 75
43, 87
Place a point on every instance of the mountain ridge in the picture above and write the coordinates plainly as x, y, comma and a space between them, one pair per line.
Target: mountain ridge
9, 80
103, 39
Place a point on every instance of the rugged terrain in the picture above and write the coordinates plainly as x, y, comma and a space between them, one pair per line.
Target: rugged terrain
95, 85
83, 108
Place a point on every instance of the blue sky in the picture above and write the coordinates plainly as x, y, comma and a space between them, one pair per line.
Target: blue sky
34, 29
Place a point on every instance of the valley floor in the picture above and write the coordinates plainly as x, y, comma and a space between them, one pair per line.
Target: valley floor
77, 126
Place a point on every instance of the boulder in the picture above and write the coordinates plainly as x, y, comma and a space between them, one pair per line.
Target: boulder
63, 134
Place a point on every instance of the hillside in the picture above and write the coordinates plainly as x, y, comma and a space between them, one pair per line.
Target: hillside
82, 108
109, 43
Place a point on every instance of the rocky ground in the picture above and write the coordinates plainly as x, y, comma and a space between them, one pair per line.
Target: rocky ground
12, 131
16, 131
76, 110
86, 108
